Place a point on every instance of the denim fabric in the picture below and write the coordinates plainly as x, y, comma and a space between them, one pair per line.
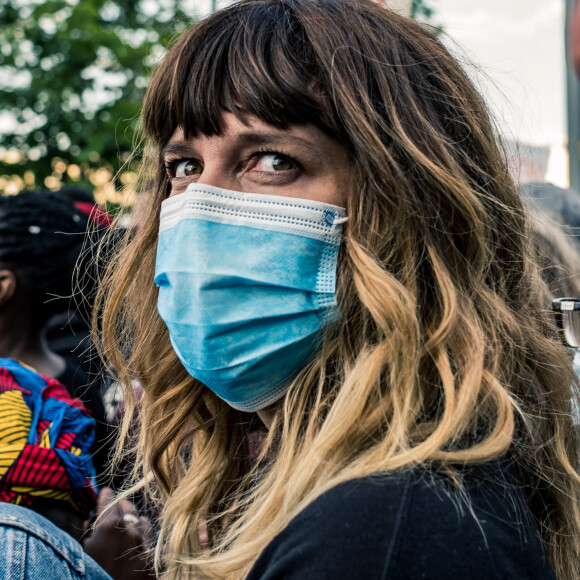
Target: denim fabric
33, 548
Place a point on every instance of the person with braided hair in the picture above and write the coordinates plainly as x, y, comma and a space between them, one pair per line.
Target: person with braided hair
42, 238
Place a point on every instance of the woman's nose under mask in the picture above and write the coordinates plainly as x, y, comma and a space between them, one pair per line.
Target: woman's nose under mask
246, 286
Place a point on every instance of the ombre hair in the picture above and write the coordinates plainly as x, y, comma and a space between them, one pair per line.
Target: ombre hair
442, 356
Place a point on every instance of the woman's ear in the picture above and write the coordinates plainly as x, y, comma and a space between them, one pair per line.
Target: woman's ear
7, 285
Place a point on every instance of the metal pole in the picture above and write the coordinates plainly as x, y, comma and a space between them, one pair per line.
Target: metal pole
573, 106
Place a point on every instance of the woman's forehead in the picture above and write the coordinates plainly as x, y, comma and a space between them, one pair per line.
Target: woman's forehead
252, 131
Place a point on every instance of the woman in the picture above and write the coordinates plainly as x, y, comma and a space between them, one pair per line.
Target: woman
338, 249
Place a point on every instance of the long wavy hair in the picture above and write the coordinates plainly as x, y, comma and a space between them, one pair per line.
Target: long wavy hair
442, 356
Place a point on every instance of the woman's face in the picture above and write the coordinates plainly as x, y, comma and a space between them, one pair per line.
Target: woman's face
255, 157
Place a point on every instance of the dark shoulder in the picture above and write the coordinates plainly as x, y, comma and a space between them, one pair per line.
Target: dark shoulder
413, 524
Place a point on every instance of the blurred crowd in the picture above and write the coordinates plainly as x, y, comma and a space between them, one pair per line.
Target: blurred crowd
59, 407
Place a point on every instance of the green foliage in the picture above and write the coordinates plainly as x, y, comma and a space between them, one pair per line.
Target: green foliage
72, 80
420, 10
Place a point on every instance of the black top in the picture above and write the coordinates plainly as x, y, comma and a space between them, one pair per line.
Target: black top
413, 525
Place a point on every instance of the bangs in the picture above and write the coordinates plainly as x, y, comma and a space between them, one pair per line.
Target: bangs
255, 59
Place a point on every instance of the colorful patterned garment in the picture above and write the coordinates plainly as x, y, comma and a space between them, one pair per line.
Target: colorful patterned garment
45, 438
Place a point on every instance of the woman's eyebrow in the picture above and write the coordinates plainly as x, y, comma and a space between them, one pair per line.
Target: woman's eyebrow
184, 148
265, 138
176, 148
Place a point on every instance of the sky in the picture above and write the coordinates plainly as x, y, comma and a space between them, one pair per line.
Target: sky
516, 48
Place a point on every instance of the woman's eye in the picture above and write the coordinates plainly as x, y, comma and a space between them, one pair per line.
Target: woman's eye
188, 167
272, 162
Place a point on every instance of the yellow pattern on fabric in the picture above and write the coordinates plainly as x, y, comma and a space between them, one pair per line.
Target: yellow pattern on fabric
45, 439
8, 455
15, 421
50, 493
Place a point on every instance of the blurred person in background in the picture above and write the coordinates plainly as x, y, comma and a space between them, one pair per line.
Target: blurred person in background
68, 332
558, 256
43, 237
49, 440
48, 489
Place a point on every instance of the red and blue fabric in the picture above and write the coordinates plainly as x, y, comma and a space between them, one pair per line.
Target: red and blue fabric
45, 441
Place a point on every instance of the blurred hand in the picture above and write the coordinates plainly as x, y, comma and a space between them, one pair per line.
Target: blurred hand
120, 540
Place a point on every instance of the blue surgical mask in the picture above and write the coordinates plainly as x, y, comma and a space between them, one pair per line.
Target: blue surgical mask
246, 285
